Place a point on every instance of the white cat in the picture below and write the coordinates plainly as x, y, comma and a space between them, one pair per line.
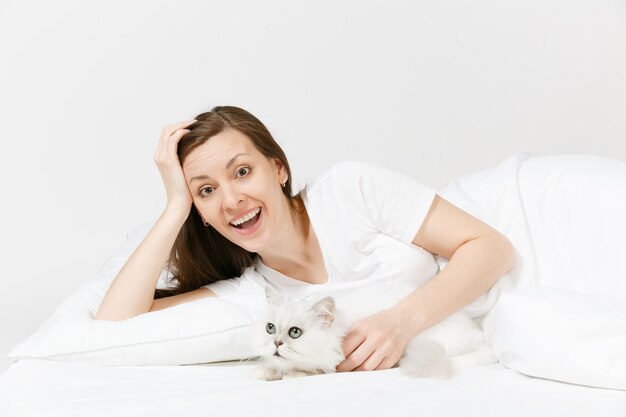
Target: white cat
304, 337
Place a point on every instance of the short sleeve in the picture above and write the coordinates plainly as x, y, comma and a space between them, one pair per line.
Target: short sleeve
250, 282
392, 202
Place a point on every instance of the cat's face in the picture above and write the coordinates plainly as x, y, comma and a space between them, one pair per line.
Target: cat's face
298, 335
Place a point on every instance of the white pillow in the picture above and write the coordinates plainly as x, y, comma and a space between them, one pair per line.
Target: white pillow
575, 206
561, 334
559, 314
206, 330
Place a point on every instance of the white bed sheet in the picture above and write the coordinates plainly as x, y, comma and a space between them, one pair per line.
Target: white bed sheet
47, 388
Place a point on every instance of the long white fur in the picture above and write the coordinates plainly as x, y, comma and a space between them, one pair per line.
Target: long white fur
437, 352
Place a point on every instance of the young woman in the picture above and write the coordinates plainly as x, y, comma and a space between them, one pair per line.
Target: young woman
231, 224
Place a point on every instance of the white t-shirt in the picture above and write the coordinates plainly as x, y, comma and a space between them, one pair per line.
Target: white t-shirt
365, 217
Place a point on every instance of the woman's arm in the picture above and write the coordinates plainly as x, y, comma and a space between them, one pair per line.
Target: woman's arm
479, 255
132, 291
185, 297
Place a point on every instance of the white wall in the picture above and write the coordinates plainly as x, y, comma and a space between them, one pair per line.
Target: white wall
434, 89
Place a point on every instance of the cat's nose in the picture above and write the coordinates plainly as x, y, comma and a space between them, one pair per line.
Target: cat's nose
278, 343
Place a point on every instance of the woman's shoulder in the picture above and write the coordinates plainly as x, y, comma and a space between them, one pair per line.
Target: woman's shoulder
352, 166
346, 170
341, 185
369, 185
363, 175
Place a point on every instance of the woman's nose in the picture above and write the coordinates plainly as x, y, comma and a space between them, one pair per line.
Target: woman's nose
232, 197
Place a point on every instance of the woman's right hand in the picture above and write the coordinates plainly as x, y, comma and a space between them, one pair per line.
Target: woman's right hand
166, 158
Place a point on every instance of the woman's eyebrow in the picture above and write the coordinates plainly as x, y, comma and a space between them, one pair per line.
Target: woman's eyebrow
230, 162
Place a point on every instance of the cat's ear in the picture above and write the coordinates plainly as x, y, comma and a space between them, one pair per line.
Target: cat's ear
272, 296
324, 310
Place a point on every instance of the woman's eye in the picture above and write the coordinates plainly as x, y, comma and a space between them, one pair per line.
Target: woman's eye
295, 332
205, 188
246, 171
242, 172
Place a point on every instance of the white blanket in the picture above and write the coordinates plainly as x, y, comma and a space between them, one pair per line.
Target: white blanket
47, 389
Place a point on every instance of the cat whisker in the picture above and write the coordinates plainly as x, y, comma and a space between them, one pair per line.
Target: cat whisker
289, 353
246, 360
264, 351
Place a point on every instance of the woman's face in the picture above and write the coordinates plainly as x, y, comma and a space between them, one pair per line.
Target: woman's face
240, 181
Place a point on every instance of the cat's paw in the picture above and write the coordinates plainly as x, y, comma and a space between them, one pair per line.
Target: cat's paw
439, 370
480, 357
426, 358
294, 374
267, 374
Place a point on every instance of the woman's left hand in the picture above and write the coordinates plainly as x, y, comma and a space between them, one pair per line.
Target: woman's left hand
375, 342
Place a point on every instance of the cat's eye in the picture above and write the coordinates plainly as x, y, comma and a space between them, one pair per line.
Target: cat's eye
270, 328
295, 333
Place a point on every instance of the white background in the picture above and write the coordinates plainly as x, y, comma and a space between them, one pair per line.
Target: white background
432, 89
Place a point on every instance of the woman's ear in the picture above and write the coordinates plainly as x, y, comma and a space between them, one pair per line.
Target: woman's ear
280, 170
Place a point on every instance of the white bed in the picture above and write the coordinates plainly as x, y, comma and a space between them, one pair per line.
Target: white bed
557, 324
48, 388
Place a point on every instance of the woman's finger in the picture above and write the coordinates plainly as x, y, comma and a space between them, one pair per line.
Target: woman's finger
169, 145
349, 345
170, 148
372, 362
175, 137
387, 363
169, 130
166, 133
357, 357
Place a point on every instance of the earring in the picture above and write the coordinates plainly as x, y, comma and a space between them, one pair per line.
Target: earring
206, 224
284, 183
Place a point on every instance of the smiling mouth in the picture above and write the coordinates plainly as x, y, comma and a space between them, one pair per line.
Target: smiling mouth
248, 223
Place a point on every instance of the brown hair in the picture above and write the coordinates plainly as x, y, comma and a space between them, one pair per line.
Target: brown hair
201, 255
